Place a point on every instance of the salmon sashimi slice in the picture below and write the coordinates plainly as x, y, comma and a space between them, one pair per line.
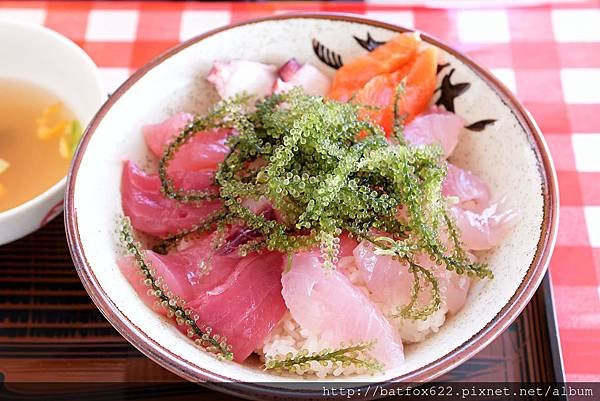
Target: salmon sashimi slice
470, 190
436, 126
247, 306
385, 59
204, 151
390, 281
486, 228
186, 272
326, 304
151, 212
420, 80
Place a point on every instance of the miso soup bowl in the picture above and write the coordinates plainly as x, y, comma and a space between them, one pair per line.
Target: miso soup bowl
509, 154
41, 56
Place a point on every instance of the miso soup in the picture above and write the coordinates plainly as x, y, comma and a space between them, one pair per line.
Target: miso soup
38, 135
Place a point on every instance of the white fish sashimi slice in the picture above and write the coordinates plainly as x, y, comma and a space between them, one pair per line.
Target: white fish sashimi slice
326, 304
313, 81
435, 126
391, 283
241, 76
472, 192
388, 279
485, 229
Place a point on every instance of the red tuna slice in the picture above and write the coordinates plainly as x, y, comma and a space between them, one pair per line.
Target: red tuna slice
204, 151
188, 272
151, 212
326, 304
157, 136
436, 126
485, 229
391, 283
247, 306
472, 192
347, 245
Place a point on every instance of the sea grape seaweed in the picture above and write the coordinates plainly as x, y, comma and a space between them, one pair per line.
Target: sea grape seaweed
325, 170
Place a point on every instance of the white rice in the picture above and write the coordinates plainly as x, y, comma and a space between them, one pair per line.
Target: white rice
288, 337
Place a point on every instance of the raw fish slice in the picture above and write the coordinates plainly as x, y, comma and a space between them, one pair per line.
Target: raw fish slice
472, 192
485, 229
347, 245
187, 272
352, 76
313, 81
454, 287
151, 212
204, 151
326, 304
388, 279
420, 79
158, 136
240, 76
435, 127
391, 283
288, 69
247, 306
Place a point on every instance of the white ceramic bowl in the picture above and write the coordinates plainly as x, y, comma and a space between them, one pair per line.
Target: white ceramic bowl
48, 59
509, 154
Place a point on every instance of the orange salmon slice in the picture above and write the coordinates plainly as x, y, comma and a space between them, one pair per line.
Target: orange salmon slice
420, 81
388, 57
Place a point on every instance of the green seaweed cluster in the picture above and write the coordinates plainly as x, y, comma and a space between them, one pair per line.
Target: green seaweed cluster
356, 355
327, 171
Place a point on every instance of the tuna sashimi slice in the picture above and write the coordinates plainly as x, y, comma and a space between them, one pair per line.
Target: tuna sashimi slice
472, 192
204, 151
247, 306
151, 212
326, 304
158, 135
313, 81
391, 283
436, 126
241, 76
186, 272
485, 229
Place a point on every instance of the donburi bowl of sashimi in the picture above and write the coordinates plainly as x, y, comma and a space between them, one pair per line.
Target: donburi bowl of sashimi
310, 198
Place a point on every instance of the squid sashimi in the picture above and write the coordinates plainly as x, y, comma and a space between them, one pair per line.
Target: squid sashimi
485, 229
247, 306
187, 272
204, 151
307, 76
391, 283
235, 77
325, 303
151, 212
385, 59
437, 126
472, 192
420, 80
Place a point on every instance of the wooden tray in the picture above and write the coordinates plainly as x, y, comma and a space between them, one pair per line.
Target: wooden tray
52, 334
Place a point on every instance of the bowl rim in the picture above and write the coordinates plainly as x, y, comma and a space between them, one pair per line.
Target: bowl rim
218, 381
77, 51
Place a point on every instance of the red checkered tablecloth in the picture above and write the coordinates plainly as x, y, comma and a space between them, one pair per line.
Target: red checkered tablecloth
549, 55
